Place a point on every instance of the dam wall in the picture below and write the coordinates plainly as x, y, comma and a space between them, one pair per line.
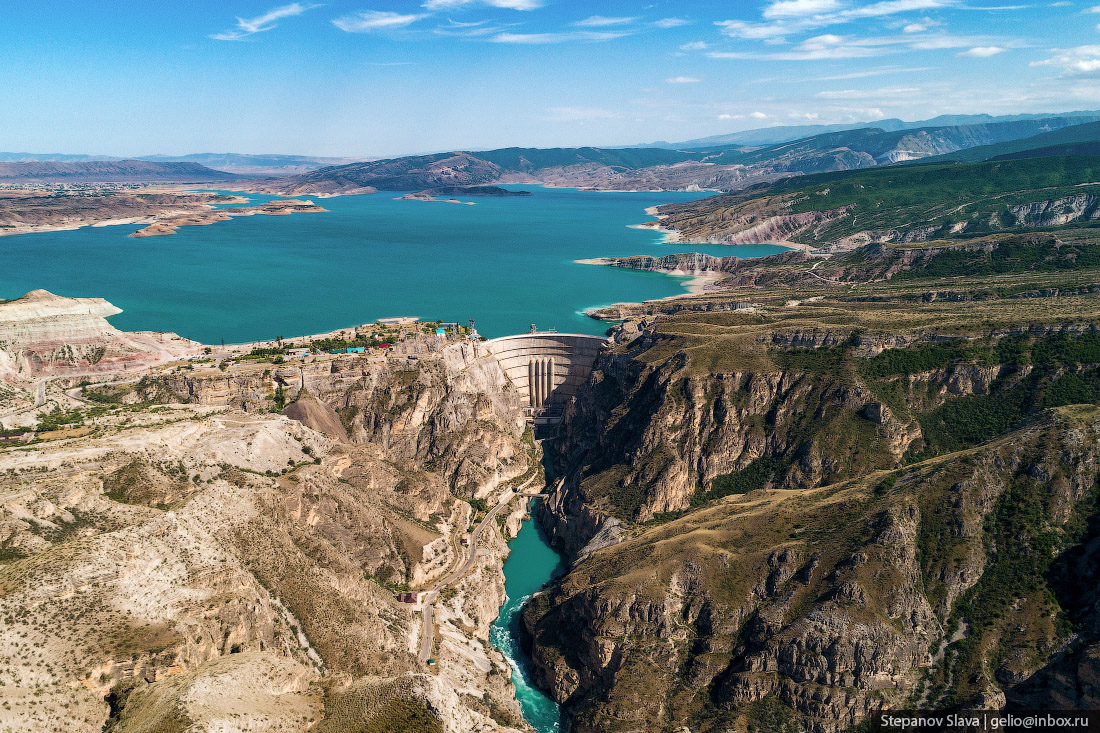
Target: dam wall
546, 368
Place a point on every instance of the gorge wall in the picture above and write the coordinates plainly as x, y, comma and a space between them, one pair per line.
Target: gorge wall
187, 548
781, 540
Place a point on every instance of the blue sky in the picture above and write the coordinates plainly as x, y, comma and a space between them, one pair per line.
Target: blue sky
387, 77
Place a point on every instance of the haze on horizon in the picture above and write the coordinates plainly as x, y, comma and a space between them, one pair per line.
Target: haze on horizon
391, 77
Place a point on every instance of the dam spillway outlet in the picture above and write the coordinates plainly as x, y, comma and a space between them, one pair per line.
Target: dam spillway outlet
546, 368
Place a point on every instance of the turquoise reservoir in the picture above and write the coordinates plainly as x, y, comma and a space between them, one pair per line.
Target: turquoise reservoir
531, 564
505, 262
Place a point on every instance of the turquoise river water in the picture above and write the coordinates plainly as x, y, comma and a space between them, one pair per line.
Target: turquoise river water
506, 262
531, 564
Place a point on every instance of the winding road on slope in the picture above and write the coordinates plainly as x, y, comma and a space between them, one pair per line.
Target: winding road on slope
430, 596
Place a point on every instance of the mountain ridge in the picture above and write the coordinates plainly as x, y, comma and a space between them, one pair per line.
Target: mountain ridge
131, 171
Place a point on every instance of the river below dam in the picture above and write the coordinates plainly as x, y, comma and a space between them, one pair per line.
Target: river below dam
506, 262
530, 565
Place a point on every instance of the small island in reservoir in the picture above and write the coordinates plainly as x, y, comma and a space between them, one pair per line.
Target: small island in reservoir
282, 207
434, 194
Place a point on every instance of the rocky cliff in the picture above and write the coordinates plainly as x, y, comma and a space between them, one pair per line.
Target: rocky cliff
856, 522
42, 334
190, 563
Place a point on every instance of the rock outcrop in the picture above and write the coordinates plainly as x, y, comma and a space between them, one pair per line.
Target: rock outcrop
42, 334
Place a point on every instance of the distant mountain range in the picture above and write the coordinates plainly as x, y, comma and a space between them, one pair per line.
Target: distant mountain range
1081, 139
786, 133
105, 171
720, 163
720, 167
245, 164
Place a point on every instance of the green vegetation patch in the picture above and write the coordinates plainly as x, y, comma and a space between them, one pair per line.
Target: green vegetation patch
161, 487
971, 420
754, 476
923, 358
1022, 539
59, 418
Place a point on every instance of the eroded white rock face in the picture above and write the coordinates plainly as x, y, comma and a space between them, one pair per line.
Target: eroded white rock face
41, 304
42, 334
45, 335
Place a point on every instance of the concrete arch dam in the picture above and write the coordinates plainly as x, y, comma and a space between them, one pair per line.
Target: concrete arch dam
546, 368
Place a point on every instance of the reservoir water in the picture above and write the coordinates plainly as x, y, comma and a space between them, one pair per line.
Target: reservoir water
506, 262
531, 564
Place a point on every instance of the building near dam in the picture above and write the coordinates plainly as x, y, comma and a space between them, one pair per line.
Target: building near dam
546, 368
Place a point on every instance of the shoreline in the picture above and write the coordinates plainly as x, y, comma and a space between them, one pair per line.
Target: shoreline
278, 207
697, 281
673, 236
156, 213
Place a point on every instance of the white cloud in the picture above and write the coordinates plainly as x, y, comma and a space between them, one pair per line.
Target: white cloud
803, 115
247, 26
758, 116
580, 114
535, 39
507, 4
915, 28
1093, 9
599, 21
891, 7
478, 29
830, 46
787, 17
982, 52
871, 72
682, 80
671, 22
1077, 61
731, 117
757, 31
799, 8
695, 46
889, 92
366, 21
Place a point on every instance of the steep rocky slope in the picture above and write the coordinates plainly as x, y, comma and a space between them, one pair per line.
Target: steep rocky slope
42, 334
903, 204
992, 255
826, 507
180, 563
